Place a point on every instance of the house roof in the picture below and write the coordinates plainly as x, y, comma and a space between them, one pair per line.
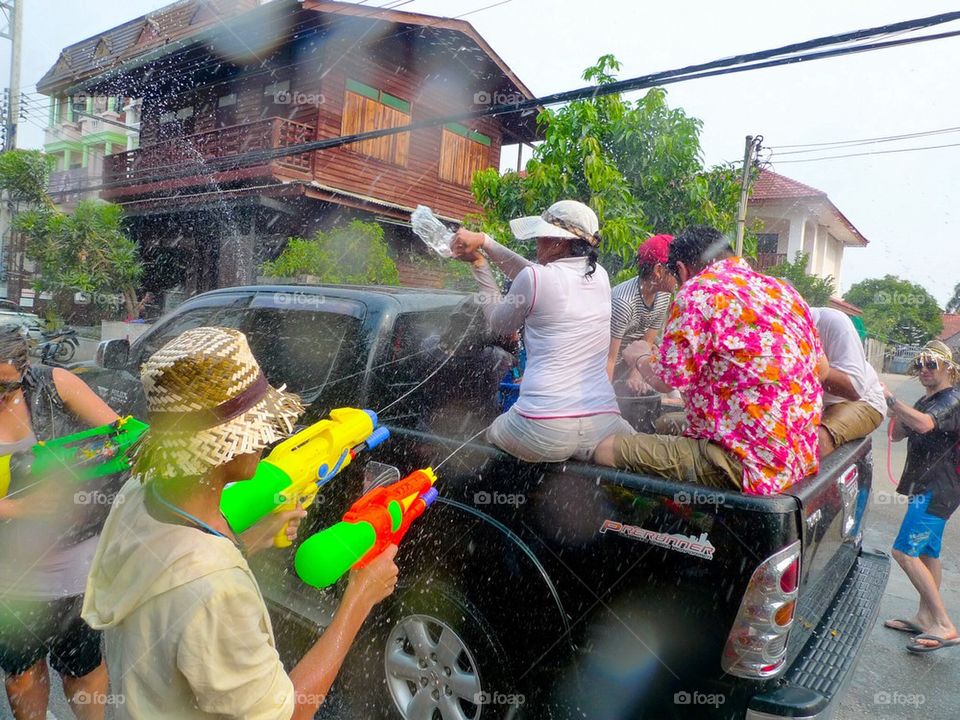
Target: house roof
187, 24
951, 326
771, 188
105, 50
844, 306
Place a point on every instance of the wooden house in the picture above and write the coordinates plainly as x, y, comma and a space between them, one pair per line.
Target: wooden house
223, 80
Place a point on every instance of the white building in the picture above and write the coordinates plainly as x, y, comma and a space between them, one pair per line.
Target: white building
799, 218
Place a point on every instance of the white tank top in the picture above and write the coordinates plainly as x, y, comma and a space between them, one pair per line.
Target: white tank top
567, 337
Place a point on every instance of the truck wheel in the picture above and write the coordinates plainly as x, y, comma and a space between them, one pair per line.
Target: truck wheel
438, 659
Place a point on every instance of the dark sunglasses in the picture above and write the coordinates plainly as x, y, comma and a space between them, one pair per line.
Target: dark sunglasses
926, 364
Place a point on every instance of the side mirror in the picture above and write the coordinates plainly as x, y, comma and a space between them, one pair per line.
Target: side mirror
113, 354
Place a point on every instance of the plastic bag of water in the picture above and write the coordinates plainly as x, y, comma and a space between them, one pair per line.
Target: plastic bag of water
433, 232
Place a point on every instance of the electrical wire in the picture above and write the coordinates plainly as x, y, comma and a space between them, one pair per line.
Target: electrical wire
866, 154
817, 147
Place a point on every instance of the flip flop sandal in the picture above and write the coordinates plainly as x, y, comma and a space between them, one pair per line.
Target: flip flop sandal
914, 648
907, 626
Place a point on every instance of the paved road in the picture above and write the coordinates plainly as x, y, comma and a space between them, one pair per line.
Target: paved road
889, 682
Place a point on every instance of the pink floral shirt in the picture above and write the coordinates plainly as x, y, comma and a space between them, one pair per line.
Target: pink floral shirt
743, 348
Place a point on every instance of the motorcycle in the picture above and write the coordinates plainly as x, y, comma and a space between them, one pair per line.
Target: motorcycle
58, 346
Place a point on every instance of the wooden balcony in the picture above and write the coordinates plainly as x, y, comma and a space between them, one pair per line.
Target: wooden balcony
765, 261
149, 167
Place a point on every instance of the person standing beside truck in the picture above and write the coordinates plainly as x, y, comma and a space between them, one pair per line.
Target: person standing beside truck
562, 302
853, 404
743, 350
186, 628
48, 535
639, 306
931, 480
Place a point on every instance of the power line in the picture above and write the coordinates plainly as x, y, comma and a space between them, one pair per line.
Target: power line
704, 70
820, 147
864, 154
740, 63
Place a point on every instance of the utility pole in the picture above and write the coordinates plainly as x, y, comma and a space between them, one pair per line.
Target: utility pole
10, 256
13, 10
751, 146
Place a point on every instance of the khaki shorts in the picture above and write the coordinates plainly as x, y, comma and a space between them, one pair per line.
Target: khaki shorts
671, 423
679, 458
553, 440
848, 420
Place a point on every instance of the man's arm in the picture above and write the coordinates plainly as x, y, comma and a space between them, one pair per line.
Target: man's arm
315, 673
838, 383
639, 355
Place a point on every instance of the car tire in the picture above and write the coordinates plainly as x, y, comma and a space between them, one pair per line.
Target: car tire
430, 654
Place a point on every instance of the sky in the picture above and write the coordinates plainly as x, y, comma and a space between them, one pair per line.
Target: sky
903, 203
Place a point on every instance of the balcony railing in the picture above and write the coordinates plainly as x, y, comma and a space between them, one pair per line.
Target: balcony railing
765, 261
171, 157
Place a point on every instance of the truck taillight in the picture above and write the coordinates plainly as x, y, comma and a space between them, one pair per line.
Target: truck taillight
757, 644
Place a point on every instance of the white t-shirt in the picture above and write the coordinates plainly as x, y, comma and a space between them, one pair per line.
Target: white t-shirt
844, 350
566, 319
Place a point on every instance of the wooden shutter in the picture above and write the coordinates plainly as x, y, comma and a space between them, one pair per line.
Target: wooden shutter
362, 113
462, 153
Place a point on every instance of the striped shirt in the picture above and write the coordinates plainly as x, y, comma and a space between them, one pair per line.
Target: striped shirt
630, 316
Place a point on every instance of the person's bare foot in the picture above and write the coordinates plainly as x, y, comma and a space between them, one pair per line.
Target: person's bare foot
903, 625
945, 632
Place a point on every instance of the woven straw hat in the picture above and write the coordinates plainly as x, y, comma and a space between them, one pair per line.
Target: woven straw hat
209, 402
935, 350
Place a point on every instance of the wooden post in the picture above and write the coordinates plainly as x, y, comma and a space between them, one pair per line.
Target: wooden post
744, 192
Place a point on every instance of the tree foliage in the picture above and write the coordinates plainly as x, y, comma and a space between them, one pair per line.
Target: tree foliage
86, 250
25, 175
815, 290
637, 164
953, 304
353, 254
897, 311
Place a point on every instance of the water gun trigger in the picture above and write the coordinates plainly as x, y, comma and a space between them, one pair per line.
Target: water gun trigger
305, 500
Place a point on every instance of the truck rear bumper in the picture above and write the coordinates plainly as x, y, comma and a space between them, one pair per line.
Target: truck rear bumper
816, 680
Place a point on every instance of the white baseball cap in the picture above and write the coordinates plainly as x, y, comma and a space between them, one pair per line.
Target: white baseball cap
564, 219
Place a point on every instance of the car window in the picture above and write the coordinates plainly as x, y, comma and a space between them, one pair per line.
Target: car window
314, 353
220, 315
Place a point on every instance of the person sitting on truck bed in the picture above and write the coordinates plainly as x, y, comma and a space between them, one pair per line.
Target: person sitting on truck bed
638, 308
931, 480
742, 348
853, 405
566, 404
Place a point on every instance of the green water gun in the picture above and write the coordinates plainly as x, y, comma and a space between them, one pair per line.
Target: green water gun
90, 454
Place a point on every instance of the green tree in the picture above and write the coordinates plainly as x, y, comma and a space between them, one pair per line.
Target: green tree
897, 311
637, 164
25, 175
953, 304
86, 251
816, 291
353, 254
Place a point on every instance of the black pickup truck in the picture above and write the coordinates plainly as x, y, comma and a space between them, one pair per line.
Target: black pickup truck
550, 590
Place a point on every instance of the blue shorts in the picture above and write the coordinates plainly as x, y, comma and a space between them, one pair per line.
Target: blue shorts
921, 533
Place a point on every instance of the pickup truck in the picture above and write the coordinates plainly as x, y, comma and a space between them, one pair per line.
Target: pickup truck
542, 590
